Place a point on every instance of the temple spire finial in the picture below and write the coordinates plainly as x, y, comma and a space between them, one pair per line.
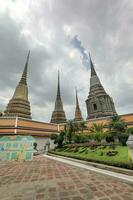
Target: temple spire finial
77, 102
58, 89
93, 72
24, 74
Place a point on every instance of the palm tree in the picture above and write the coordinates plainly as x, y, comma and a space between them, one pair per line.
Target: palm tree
97, 131
117, 125
82, 126
96, 128
69, 129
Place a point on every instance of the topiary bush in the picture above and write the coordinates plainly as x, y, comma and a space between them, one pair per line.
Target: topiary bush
123, 137
112, 153
109, 138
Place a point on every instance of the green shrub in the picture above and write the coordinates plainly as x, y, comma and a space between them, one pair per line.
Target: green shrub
101, 153
76, 149
35, 145
109, 138
128, 165
82, 150
102, 147
123, 138
130, 130
112, 146
86, 151
129, 156
53, 136
112, 153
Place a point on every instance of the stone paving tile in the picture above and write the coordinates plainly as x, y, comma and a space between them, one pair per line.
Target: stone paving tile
46, 179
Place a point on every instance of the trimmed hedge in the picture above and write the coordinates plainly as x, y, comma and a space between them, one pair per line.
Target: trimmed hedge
115, 164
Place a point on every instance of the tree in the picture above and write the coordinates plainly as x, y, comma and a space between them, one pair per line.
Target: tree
109, 138
35, 145
130, 130
53, 136
59, 140
96, 128
97, 132
82, 126
123, 138
70, 131
117, 125
71, 128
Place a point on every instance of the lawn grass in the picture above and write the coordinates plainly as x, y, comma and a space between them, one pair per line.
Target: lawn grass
98, 154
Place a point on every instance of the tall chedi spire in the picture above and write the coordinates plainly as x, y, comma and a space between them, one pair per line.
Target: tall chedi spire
78, 115
19, 105
98, 103
58, 115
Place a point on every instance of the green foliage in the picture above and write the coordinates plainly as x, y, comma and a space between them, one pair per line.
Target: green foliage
123, 137
96, 132
96, 128
130, 130
69, 136
35, 145
99, 155
53, 136
75, 150
80, 138
129, 156
112, 153
71, 128
82, 126
117, 125
109, 138
98, 136
59, 140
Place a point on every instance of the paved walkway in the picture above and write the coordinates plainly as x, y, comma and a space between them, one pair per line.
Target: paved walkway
48, 179
82, 164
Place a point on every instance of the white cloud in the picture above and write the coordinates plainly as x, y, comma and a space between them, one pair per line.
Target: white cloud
46, 27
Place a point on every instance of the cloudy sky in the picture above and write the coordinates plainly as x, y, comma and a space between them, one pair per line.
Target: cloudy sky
60, 33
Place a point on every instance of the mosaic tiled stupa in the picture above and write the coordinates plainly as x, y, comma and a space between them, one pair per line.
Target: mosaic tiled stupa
19, 105
58, 115
78, 114
98, 103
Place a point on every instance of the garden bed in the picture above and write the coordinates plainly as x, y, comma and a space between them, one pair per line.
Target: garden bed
117, 156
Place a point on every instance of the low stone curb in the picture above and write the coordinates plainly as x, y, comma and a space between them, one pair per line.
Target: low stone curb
97, 165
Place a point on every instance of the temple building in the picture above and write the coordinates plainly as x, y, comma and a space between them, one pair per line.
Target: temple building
19, 105
58, 115
78, 114
98, 103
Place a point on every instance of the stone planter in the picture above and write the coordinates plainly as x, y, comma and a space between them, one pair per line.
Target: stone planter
130, 144
47, 145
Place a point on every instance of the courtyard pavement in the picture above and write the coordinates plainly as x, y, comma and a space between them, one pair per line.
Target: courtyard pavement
48, 179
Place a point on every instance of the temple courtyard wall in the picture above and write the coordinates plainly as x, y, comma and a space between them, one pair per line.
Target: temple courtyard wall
42, 131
